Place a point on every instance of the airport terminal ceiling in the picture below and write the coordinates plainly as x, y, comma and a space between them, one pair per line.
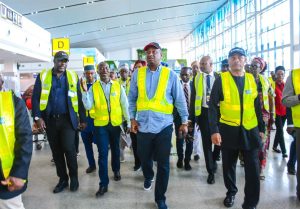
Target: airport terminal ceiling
116, 24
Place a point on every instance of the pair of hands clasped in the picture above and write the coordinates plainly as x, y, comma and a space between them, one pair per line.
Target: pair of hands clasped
13, 183
42, 126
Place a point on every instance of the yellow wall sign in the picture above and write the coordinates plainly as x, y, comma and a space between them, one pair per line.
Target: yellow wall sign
88, 61
60, 44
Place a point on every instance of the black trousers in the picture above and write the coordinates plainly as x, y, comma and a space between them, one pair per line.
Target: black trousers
158, 145
279, 136
137, 162
252, 182
209, 155
298, 159
179, 145
61, 137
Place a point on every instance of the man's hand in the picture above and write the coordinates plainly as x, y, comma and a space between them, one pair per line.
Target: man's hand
83, 85
134, 126
82, 126
262, 135
41, 125
13, 183
216, 139
183, 130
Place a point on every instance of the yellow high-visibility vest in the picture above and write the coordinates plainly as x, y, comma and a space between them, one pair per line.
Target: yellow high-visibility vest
199, 93
230, 108
296, 109
7, 132
159, 102
102, 114
125, 84
46, 81
272, 83
90, 112
265, 91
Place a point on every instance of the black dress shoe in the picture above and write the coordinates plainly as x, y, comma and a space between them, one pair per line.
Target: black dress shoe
187, 166
276, 150
74, 184
211, 179
179, 164
291, 170
60, 186
196, 157
90, 169
117, 176
229, 201
101, 191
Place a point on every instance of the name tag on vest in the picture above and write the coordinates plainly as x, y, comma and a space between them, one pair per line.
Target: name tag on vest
71, 93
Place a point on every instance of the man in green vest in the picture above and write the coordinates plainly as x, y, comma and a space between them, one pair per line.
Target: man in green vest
57, 108
15, 149
291, 98
236, 124
154, 91
108, 98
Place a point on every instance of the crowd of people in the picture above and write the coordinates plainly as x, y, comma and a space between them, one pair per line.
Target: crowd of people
234, 110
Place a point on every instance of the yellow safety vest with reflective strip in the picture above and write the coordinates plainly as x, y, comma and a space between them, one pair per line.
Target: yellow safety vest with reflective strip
159, 102
272, 82
265, 91
90, 112
199, 93
230, 108
296, 109
102, 114
127, 84
46, 81
7, 132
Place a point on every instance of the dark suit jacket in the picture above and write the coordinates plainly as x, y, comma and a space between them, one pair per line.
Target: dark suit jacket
46, 113
177, 119
23, 148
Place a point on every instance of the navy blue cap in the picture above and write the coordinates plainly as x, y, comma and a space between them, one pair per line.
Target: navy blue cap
224, 62
237, 50
61, 55
89, 67
152, 44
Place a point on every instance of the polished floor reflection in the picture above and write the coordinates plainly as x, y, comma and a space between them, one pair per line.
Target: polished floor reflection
187, 189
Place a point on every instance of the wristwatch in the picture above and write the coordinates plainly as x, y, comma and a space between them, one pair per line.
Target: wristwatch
36, 118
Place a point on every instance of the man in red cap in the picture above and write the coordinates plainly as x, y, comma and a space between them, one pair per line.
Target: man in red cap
154, 91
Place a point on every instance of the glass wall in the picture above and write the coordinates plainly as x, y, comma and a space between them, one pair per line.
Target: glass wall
265, 28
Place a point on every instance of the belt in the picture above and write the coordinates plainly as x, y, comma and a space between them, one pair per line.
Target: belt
57, 116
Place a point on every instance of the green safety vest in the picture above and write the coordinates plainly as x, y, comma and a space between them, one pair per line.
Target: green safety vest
199, 93
125, 84
265, 91
296, 109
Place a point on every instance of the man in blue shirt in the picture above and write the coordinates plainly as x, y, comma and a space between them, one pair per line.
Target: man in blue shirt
151, 117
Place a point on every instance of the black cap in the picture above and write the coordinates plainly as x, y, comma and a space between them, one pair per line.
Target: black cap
89, 67
61, 55
224, 62
237, 50
152, 44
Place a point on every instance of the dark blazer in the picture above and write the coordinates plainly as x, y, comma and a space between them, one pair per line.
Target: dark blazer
23, 148
191, 110
46, 113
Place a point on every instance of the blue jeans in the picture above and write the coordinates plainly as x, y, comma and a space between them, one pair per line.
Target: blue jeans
158, 145
88, 136
104, 135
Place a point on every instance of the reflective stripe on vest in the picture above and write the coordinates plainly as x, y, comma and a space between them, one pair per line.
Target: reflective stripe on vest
265, 91
126, 86
7, 132
46, 81
296, 109
159, 102
230, 108
102, 114
199, 93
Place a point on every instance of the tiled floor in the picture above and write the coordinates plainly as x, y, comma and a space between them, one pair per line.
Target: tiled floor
187, 190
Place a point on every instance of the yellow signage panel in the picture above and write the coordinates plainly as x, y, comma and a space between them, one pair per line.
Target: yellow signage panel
88, 61
60, 44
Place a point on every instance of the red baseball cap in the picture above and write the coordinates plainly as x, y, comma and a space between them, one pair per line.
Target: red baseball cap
152, 44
